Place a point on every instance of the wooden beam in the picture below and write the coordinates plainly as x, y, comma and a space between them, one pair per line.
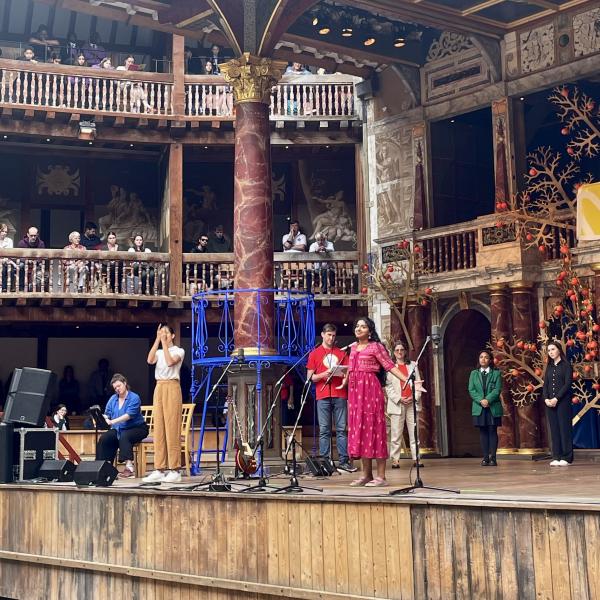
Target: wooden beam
178, 58
358, 54
328, 64
477, 7
176, 219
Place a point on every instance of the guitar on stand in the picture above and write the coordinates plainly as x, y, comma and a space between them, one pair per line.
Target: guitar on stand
245, 461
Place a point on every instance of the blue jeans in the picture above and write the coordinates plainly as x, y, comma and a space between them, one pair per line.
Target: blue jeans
325, 408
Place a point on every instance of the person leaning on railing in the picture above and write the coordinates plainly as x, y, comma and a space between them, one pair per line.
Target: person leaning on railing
76, 269
325, 270
138, 97
5, 243
31, 241
143, 270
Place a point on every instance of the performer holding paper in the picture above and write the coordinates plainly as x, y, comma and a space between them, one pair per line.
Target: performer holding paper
367, 435
326, 366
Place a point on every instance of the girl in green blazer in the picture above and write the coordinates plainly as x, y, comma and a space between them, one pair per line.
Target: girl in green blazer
485, 385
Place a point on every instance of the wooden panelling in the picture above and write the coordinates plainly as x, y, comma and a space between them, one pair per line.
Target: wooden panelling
65, 543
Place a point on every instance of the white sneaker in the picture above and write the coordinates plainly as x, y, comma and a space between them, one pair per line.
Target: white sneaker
555, 463
154, 477
172, 477
563, 463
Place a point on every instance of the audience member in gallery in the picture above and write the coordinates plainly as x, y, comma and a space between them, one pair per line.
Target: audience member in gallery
485, 386
76, 269
28, 55
202, 246
105, 63
138, 97
325, 270
295, 240
60, 419
42, 43
127, 426
68, 390
141, 272
219, 242
55, 58
71, 50
31, 240
167, 402
111, 242
6, 243
93, 50
90, 238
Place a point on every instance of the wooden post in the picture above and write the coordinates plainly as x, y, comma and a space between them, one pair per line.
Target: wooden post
178, 75
361, 221
176, 219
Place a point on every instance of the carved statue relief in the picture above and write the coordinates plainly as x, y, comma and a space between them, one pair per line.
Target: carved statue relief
58, 180
537, 48
8, 216
586, 32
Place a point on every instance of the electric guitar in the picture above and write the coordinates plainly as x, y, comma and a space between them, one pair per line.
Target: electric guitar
245, 460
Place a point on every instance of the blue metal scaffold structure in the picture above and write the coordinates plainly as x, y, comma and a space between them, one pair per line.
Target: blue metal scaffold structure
292, 337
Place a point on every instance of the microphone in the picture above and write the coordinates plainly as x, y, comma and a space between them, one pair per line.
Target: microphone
348, 347
241, 357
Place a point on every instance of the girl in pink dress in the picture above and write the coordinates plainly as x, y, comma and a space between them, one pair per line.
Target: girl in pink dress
367, 435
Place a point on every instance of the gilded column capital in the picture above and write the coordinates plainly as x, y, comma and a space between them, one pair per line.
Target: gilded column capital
498, 288
252, 77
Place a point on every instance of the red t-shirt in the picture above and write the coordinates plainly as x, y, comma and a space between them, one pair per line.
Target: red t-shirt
319, 361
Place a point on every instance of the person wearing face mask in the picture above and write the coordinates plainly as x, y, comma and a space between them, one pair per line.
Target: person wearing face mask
557, 394
485, 386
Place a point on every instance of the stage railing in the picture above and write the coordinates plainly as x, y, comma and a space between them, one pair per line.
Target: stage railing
334, 275
25, 272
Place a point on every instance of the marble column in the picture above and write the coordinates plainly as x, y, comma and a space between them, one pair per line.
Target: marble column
500, 310
418, 323
523, 317
596, 284
252, 79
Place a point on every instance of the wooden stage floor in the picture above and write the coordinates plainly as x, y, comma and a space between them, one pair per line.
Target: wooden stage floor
514, 480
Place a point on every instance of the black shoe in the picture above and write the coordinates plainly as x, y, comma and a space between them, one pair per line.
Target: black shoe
346, 467
493, 462
485, 462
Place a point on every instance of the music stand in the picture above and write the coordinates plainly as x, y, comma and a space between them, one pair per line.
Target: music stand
418, 483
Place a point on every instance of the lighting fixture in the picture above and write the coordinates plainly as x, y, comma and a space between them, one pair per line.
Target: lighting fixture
87, 130
451, 120
399, 42
315, 21
324, 30
369, 41
347, 32
5, 137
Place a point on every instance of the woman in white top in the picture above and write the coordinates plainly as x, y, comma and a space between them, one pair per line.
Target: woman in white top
399, 406
167, 401
145, 271
5, 242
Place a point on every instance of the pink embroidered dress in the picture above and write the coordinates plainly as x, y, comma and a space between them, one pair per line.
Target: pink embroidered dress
367, 435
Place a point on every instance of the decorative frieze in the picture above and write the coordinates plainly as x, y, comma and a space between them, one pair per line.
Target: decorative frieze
537, 48
586, 32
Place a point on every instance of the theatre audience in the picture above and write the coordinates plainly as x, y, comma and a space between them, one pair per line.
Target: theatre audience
90, 239
71, 50
325, 270
111, 242
93, 50
42, 43
219, 242
202, 246
141, 272
295, 240
68, 390
76, 270
31, 240
28, 55
5, 241
60, 419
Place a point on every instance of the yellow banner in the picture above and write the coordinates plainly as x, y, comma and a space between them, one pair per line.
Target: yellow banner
588, 212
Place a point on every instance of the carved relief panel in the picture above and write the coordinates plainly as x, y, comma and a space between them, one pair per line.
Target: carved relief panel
537, 48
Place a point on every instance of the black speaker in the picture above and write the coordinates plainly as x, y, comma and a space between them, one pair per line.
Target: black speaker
7, 434
57, 470
28, 398
321, 466
100, 473
367, 88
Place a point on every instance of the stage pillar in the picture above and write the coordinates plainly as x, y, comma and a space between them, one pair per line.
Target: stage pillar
523, 313
418, 328
596, 284
252, 79
251, 385
500, 310
176, 220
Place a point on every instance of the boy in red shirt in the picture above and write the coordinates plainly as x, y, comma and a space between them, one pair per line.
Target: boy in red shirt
330, 396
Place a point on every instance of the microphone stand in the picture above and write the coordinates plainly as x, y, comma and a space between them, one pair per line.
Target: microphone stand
218, 483
418, 483
263, 484
294, 486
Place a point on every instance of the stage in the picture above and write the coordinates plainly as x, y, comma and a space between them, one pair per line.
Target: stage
521, 530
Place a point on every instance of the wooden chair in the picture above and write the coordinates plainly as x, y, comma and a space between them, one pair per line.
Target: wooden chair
148, 414
147, 446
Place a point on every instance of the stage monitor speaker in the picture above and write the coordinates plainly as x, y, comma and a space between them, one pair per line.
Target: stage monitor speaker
321, 466
57, 470
28, 398
100, 473
7, 434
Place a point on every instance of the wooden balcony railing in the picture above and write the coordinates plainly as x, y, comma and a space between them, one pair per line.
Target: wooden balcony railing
85, 90
448, 251
336, 276
83, 273
317, 97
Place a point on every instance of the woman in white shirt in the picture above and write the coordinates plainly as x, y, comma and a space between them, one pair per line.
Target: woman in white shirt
5, 242
166, 403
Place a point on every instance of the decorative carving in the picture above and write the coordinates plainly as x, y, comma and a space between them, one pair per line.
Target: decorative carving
537, 48
58, 180
586, 32
252, 77
449, 44
492, 236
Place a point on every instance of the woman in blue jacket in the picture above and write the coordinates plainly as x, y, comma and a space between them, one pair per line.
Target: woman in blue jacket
485, 385
127, 426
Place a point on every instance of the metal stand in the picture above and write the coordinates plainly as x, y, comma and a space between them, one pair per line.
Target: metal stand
294, 487
418, 483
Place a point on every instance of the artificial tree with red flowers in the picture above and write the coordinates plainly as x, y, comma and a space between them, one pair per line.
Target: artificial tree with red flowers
398, 281
549, 199
573, 326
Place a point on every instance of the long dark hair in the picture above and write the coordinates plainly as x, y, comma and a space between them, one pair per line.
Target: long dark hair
558, 346
373, 337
